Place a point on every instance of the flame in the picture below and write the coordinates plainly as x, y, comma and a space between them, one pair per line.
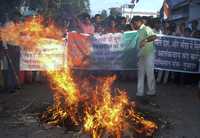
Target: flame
66, 95
29, 32
33, 33
111, 114
107, 111
103, 112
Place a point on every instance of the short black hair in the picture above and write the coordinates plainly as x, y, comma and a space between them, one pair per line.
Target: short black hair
195, 22
85, 15
187, 29
123, 18
136, 18
97, 15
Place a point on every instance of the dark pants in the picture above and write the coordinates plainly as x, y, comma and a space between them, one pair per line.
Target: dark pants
12, 73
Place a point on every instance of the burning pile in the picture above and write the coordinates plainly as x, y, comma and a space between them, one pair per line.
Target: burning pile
113, 115
92, 104
102, 113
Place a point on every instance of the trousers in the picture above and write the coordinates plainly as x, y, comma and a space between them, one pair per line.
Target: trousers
146, 68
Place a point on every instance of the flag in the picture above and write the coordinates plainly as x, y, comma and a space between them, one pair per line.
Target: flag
134, 1
166, 9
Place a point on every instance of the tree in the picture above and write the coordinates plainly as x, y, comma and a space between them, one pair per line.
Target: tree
9, 8
115, 12
55, 9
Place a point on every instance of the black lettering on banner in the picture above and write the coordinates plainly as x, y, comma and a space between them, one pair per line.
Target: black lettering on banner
178, 53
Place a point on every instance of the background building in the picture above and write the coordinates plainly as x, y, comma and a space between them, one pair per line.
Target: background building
128, 11
184, 10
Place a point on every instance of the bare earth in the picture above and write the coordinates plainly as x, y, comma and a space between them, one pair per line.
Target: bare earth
176, 109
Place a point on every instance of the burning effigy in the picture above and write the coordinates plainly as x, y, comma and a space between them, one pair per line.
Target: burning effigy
92, 104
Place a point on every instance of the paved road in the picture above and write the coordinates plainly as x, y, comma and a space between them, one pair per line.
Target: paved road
176, 107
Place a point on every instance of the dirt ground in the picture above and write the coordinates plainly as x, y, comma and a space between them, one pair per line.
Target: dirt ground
176, 109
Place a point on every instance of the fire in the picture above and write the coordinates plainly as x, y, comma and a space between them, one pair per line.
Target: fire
104, 111
29, 32
111, 114
63, 83
66, 93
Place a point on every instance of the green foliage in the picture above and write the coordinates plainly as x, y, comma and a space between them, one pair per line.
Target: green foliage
115, 12
8, 8
55, 9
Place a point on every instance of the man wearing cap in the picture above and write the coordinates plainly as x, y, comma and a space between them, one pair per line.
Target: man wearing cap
146, 51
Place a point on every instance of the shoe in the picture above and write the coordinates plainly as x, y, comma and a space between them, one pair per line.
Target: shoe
151, 93
138, 94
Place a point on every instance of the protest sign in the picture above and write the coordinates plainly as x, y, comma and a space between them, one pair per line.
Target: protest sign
103, 51
48, 55
178, 54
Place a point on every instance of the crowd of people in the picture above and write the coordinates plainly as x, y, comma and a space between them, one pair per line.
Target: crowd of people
111, 24
120, 24
91, 25
97, 24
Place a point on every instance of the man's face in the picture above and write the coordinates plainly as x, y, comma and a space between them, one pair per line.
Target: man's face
136, 24
113, 23
98, 19
87, 20
157, 25
194, 25
123, 21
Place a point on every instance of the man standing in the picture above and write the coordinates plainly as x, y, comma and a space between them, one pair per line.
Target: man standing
146, 49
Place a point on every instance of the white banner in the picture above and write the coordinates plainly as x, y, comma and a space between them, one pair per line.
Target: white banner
49, 55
